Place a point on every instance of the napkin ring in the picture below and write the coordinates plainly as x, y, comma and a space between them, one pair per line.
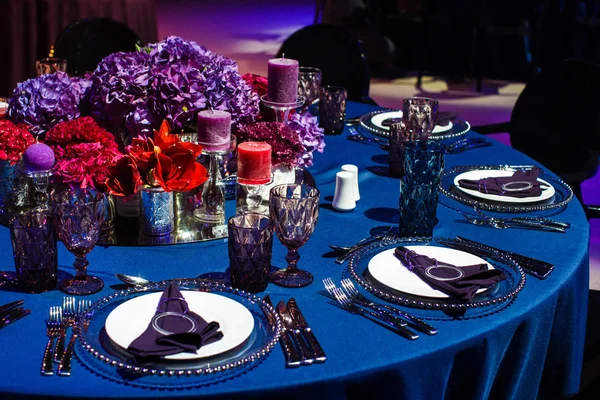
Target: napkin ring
162, 331
506, 186
437, 278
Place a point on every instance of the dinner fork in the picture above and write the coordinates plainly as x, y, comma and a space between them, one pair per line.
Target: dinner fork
64, 369
68, 319
415, 322
357, 308
53, 327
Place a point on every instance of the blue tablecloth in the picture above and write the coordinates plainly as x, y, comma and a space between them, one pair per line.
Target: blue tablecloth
532, 348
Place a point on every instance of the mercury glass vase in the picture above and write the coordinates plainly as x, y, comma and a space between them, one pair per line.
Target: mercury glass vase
157, 215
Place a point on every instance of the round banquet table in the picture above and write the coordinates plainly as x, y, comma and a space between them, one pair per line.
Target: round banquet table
532, 348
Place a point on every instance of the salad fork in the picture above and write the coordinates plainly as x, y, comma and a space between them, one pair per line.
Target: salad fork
357, 308
53, 327
413, 321
64, 369
68, 319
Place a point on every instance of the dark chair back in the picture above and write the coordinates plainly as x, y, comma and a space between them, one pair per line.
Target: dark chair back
556, 121
333, 50
86, 42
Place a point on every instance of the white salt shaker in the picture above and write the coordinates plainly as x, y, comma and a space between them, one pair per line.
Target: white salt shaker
343, 199
353, 169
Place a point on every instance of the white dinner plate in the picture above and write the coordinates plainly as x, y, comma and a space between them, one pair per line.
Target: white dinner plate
130, 319
389, 271
547, 189
378, 119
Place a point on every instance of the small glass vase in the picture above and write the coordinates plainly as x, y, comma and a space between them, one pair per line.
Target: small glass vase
157, 216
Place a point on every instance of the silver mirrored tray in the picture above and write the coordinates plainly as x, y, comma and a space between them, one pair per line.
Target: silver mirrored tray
563, 193
485, 303
97, 352
459, 127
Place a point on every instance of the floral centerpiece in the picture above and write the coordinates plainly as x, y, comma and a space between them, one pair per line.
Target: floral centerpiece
84, 151
163, 161
171, 80
47, 100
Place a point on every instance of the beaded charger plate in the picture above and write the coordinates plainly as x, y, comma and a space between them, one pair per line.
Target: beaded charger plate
561, 196
102, 356
484, 303
372, 122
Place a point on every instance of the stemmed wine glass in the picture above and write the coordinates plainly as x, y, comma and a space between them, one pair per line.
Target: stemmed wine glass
79, 214
294, 210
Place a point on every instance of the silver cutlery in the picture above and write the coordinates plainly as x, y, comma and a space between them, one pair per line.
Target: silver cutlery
294, 332
68, 319
53, 327
317, 351
410, 319
13, 315
358, 245
499, 223
529, 220
10, 306
133, 280
357, 308
538, 268
64, 368
467, 144
292, 357
389, 235
358, 136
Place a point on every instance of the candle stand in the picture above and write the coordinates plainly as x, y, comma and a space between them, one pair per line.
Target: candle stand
282, 110
213, 195
249, 197
41, 183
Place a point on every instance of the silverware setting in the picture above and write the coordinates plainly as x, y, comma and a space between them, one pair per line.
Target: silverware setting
532, 266
12, 312
545, 221
506, 223
348, 252
350, 299
299, 343
60, 318
467, 144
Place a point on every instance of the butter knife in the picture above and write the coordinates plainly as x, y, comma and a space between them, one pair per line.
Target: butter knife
315, 346
303, 352
13, 316
10, 306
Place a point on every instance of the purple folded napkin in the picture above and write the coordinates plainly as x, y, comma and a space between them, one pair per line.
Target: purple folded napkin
174, 329
443, 118
520, 184
461, 283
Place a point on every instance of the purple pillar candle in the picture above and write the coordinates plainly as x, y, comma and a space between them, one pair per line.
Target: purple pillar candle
214, 129
283, 80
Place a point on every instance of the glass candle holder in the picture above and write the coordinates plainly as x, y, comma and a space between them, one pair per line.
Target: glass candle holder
50, 65
332, 109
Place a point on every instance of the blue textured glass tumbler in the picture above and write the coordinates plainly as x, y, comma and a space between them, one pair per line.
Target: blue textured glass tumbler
418, 203
423, 160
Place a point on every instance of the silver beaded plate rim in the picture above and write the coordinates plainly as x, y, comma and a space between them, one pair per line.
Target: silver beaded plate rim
561, 188
101, 354
426, 303
460, 127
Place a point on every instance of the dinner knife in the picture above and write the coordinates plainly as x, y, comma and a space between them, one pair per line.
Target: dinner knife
292, 358
13, 316
10, 306
303, 351
317, 351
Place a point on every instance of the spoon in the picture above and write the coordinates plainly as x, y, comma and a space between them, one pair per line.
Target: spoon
133, 280
501, 224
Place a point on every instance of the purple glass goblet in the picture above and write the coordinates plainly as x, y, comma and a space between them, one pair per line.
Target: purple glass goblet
79, 214
294, 210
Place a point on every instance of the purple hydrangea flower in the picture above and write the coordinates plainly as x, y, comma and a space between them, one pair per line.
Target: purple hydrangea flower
311, 135
45, 101
119, 94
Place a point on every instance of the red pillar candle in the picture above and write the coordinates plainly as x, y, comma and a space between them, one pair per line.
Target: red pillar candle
283, 80
254, 163
214, 129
